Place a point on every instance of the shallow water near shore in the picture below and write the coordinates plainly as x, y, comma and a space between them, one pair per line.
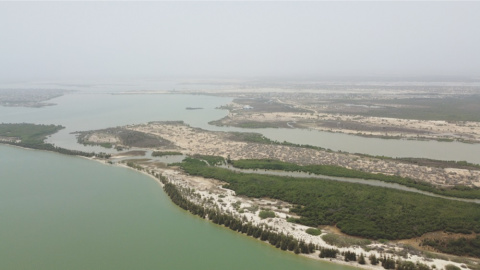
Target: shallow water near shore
80, 214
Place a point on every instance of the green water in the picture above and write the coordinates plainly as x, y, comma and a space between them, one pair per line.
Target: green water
62, 212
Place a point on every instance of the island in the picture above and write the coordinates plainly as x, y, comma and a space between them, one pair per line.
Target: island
349, 208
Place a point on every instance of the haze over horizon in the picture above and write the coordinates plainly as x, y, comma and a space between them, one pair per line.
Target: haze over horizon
118, 40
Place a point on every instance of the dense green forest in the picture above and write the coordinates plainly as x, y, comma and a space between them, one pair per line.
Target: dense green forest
33, 136
360, 210
461, 246
28, 133
211, 160
330, 170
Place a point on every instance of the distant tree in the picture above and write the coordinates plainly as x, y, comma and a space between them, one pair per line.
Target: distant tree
361, 259
373, 259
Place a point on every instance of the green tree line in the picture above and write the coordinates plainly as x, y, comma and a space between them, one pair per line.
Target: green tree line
359, 210
462, 246
33, 136
330, 170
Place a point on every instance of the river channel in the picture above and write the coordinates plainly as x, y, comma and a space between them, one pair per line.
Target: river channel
369, 182
86, 111
63, 212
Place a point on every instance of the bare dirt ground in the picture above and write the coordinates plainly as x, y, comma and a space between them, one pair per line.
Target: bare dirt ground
197, 141
384, 127
124, 138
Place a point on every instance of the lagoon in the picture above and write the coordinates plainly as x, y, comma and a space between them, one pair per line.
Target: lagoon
63, 212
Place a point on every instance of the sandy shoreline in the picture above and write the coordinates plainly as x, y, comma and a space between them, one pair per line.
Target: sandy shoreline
367, 126
224, 199
198, 141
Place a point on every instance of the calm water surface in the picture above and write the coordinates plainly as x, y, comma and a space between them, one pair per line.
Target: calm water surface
87, 111
62, 212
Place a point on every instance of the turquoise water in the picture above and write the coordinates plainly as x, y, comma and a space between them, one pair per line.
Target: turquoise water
62, 212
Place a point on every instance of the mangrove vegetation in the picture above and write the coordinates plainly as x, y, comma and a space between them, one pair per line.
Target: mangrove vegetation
356, 209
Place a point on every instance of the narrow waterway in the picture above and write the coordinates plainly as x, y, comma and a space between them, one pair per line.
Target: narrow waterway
88, 111
369, 182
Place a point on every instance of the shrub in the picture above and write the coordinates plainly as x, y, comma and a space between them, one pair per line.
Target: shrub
266, 214
451, 267
313, 231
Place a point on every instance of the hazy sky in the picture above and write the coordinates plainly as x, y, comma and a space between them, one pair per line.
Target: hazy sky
77, 40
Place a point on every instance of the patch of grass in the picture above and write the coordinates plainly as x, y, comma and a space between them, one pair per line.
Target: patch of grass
259, 138
252, 209
344, 241
313, 231
256, 124
236, 204
266, 214
165, 153
106, 145
291, 219
212, 160
451, 267
249, 137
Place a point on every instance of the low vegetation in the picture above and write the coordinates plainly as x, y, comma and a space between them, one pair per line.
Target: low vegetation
211, 160
256, 124
313, 231
259, 138
165, 153
461, 246
429, 162
461, 108
266, 214
451, 267
345, 241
